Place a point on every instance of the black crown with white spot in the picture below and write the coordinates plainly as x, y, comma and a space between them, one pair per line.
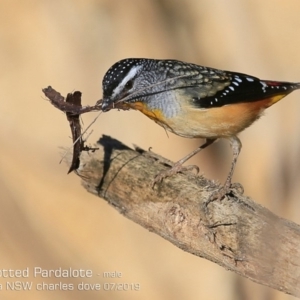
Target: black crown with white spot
117, 72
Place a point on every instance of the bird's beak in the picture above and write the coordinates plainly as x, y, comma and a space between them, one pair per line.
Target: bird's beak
106, 104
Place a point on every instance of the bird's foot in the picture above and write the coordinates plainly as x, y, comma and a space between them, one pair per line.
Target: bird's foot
228, 188
176, 168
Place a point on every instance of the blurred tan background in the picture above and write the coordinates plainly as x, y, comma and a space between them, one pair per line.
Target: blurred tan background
48, 220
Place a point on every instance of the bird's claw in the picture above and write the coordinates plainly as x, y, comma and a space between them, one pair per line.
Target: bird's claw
177, 168
225, 190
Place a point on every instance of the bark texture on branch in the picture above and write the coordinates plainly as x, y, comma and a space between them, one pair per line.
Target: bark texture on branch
236, 233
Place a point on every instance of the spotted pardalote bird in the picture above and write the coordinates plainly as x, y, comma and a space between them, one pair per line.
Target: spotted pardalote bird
191, 101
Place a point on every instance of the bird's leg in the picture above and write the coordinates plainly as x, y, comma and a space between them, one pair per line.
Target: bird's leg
178, 166
236, 146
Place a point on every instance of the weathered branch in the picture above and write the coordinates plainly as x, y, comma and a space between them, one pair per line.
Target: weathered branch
236, 233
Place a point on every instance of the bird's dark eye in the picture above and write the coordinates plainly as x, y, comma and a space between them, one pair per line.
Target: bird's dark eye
129, 85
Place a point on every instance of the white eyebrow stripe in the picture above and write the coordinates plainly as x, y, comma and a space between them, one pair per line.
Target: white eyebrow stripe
129, 76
